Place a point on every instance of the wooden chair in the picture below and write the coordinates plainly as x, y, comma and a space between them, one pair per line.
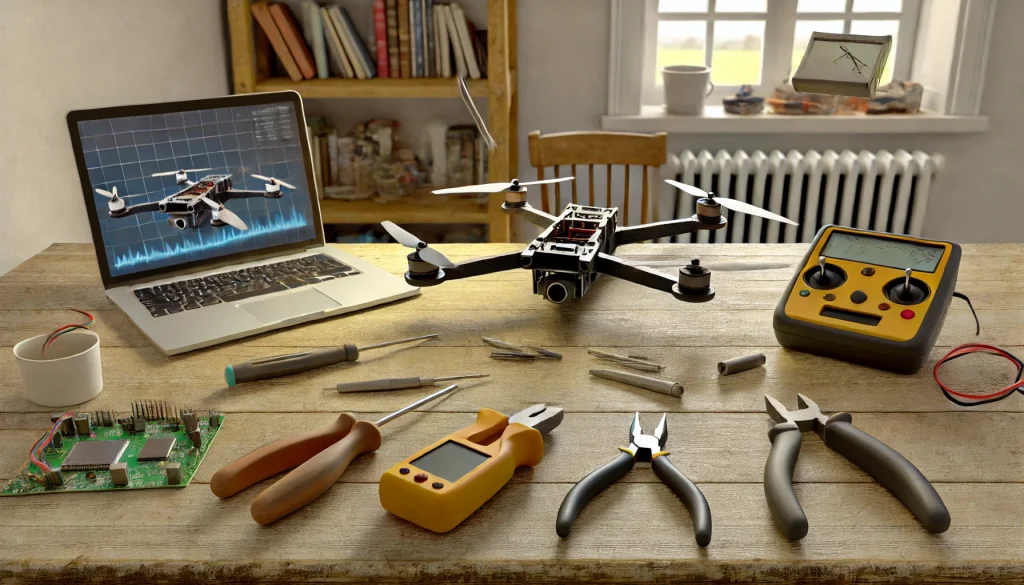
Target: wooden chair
597, 148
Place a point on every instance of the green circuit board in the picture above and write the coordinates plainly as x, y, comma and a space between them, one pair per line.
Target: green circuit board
122, 441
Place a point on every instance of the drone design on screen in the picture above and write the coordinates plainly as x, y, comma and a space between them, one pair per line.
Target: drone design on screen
578, 245
198, 202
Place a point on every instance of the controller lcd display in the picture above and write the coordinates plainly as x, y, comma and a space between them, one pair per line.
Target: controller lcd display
881, 251
450, 461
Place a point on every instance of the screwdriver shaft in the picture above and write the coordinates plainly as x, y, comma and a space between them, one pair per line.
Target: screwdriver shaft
417, 404
462, 377
398, 341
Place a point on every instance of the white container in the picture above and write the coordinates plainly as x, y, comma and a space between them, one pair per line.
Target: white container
686, 88
69, 373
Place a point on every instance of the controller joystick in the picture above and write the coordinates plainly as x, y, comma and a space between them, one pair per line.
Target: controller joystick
907, 290
824, 276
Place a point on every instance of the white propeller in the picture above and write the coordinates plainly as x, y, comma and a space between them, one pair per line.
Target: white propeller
179, 171
224, 214
496, 187
112, 194
427, 254
733, 204
273, 180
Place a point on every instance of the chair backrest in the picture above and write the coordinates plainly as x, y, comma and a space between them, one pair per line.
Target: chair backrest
587, 149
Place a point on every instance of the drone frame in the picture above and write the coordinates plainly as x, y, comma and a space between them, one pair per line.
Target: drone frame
561, 274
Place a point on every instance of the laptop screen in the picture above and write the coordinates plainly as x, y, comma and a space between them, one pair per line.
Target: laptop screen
182, 184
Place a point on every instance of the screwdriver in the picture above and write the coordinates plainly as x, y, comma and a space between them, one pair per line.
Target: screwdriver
293, 363
319, 458
399, 383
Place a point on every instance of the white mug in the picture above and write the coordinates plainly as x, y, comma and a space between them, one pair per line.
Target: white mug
68, 373
686, 87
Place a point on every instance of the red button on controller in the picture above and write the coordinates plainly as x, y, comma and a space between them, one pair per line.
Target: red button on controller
420, 477
883, 306
907, 314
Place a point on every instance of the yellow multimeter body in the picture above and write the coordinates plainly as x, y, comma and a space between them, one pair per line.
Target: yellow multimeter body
441, 485
858, 311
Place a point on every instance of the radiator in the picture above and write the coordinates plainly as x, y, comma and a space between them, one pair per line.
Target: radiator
881, 191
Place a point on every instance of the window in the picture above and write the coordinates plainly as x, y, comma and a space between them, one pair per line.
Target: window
761, 42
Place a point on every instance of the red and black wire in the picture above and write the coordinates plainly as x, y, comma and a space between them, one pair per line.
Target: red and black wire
35, 455
965, 399
69, 328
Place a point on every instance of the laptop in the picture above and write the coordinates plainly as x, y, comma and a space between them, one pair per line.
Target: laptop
206, 220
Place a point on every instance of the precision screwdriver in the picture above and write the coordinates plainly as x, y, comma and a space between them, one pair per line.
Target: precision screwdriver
319, 458
399, 383
293, 363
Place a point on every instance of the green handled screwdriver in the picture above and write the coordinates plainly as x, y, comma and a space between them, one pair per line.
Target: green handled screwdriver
293, 363
399, 383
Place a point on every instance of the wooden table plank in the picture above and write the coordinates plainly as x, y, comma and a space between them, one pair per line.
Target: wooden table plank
636, 531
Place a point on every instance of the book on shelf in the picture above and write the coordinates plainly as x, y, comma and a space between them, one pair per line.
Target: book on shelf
261, 12
416, 13
293, 39
403, 39
404, 53
380, 35
391, 7
342, 66
313, 29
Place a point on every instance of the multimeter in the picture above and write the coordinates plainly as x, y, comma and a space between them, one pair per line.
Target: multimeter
440, 486
872, 298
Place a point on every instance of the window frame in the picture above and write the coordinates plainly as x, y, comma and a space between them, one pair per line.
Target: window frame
780, 22
953, 80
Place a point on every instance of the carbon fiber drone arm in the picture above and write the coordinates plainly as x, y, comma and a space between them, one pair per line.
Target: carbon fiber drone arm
487, 265
140, 208
531, 214
662, 229
243, 194
616, 267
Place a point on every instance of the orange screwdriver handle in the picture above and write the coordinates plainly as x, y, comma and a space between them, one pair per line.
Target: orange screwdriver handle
310, 480
276, 457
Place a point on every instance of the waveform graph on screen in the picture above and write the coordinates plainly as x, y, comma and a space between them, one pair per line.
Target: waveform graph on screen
146, 255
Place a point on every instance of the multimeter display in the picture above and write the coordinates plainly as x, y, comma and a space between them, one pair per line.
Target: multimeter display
450, 461
888, 252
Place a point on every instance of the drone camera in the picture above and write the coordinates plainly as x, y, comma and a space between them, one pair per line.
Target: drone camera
178, 222
558, 290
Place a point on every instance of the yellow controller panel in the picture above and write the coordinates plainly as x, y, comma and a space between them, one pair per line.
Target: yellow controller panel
868, 297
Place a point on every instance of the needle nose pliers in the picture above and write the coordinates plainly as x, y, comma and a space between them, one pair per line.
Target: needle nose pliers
646, 449
879, 460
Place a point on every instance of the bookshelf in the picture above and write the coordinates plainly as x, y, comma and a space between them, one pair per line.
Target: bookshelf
250, 71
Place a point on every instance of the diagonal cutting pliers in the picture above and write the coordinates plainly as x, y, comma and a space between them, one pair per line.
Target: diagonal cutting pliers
879, 460
646, 449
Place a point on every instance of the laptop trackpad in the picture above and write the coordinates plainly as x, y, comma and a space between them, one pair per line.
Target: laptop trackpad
277, 308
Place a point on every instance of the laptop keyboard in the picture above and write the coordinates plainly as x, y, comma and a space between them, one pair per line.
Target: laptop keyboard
226, 287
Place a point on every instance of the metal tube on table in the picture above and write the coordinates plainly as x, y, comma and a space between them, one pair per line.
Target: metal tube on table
417, 404
646, 382
741, 364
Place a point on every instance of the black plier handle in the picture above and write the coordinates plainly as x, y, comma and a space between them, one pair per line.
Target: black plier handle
879, 460
616, 469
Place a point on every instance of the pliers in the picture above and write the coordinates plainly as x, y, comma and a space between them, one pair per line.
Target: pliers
879, 460
646, 449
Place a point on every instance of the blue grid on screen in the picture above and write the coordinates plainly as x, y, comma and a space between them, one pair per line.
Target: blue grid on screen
240, 141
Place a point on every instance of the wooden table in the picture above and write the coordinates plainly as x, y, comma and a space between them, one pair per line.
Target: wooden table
636, 531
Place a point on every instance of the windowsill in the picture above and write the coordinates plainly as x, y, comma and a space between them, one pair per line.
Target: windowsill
716, 121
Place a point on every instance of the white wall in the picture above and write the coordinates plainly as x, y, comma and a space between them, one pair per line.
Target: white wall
59, 55
563, 68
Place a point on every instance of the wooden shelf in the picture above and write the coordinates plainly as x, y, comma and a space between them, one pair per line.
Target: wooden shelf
374, 88
413, 209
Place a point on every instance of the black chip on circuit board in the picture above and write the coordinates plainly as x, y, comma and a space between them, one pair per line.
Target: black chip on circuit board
94, 455
158, 449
